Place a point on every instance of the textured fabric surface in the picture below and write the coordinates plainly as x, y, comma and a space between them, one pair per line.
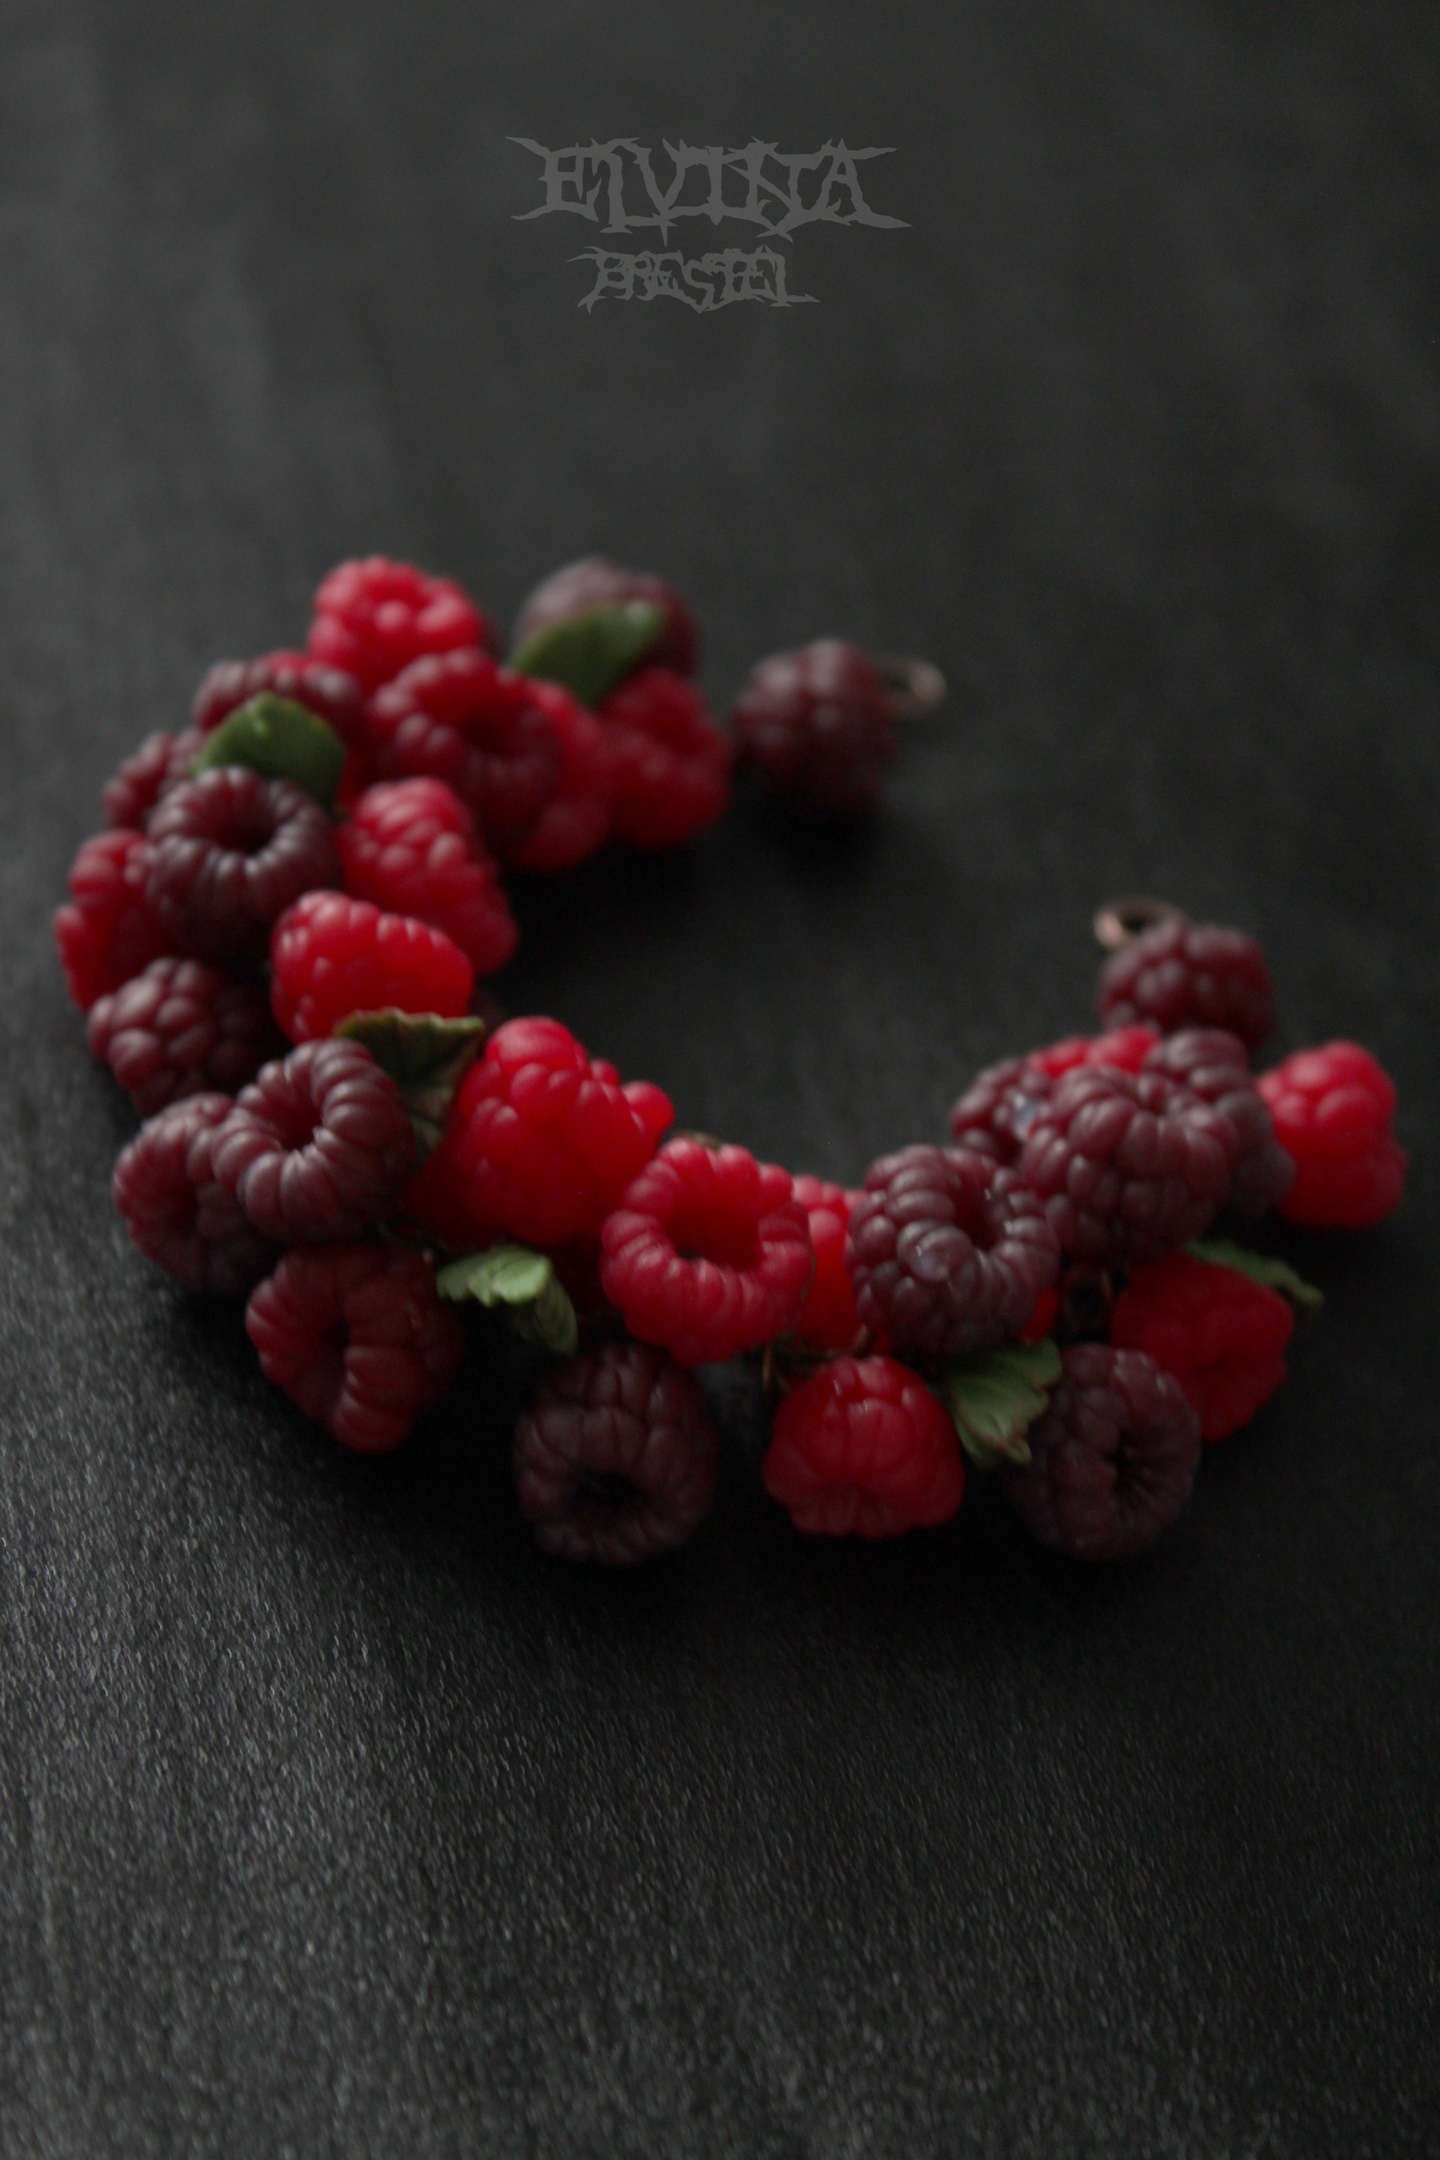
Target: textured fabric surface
333, 1818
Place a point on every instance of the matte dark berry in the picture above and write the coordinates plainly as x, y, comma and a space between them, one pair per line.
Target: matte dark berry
462, 719
328, 692
230, 851
409, 846
319, 1146
331, 956
818, 724
670, 762
863, 1449
376, 617
1183, 974
160, 764
615, 1459
165, 1190
1112, 1460
994, 1115
181, 1028
1222, 1335
1212, 1064
1334, 1109
594, 582
947, 1251
108, 931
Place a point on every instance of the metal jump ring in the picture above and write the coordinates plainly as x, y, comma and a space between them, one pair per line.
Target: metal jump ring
1120, 922
912, 686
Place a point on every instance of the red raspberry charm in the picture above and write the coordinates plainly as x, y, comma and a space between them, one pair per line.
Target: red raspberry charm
1333, 1110
576, 820
409, 847
180, 1028
229, 852
598, 583
356, 1335
160, 764
108, 932
1183, 974
863, 1449
671, 764
818, 724
331, 956
319, 1147
462, 719
1222, 1335
707, 1253
828, 1319
167, 1195
374, 618
1126, 1048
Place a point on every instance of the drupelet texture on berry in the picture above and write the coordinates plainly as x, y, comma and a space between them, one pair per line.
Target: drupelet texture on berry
863, 1449
181, 1028
331, 956
373, 618
576, 819
166, 1193
1183, 974
948, 1252
1126, 1048
818, 725
230, 851
828, 1319
1222, 1335
1112, 1460
707, 1252
594, 582
1334, 1109
994, 1115
483, 730
1212, 1064
670, 762
1129, 1166
328, 692
409, 847
319, 1146
358, 1338
108, 930
146, 777
615, 1458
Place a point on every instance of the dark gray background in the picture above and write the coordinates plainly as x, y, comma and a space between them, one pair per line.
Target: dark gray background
336, 1821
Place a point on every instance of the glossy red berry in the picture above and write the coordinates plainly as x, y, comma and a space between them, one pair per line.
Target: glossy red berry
594, 582
1126, 1048
670, 762
487, 733
828, 1319
319, 1146
1334, 1109
818, 725
108, 931
863, 1449
229, 852
181, 1028
373, 618
331, 956
576, 820
1222, 1335
170, 1201
1183, 974
410, 848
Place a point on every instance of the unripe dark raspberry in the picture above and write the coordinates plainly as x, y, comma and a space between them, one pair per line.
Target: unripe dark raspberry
1183, 974
182, 1028
147, 777
319, 1147
615, 1458
230, 851
167, 1195
1112, 1460
947, 1252
594, 582
994, 1115
328, 692
818, 724
1212, 1064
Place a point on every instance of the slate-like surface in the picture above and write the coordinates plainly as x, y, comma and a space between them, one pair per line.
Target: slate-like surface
334, 1820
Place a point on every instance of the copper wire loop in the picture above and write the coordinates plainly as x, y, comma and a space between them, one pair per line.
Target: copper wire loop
914, 686
1120, 922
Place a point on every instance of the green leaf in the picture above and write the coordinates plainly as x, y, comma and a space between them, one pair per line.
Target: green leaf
590, 652
280, 739
1261, 1268
426, 1056
995, 1396
525, 1285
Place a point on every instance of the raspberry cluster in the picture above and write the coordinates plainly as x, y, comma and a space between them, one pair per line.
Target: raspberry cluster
280, 941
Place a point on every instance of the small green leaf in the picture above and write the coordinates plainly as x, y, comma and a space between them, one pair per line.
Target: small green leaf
525, 1284
280, 739
1261, 1268
426, 1056
591, 651
995, 1396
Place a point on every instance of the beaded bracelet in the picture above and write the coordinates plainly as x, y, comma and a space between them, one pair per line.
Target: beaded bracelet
315, 862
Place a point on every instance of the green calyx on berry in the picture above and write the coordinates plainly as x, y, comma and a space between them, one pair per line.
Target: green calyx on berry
1261, 1268
524, 1285
280, 740
995, 1396
426, 1056
589, 653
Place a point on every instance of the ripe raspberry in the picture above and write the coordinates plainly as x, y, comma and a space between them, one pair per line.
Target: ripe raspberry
180, 1029
818, 723
1333, 1109
1222, 1335
994, 1115
229, 852
461, 719
1126, 1048
160, 764
356, 1335
671, 763
595, 583
947, 1252
1112, 1461
1184, 974
108, 932
328, 692
374, 618
331, 956
542, 1139
707, 1253
320, 1146
863, 1449
1128, 1166
828, 1319
409, 846
576, 820
165, 1190
615, 1458
1212, 1064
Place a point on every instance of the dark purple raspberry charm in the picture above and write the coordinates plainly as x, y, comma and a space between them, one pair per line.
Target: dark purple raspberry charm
594, 582
615, 1457
1183, 974
819, 724
320, 1147
1112, 1460
995, 1113
147, 777
230, 852
328, 692
947, 1252
1128, 1165
182, 1028
165, 1190
1212, 1064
